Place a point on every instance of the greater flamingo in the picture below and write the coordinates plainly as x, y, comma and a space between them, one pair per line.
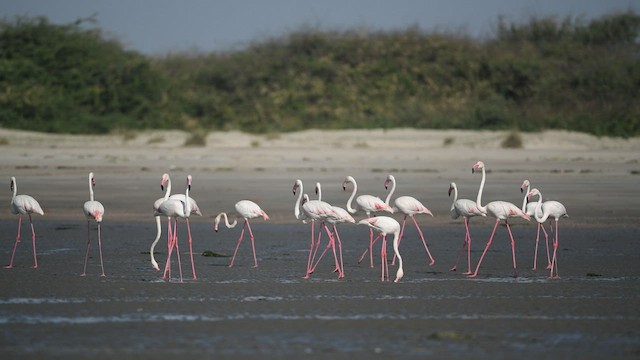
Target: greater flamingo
194, 209
247, 209
409, 206
23, 205
313, 210
174, 208
93, 210
467, 209
501, 210
530, 208
386, 225
543, 211
369, 204
340, 215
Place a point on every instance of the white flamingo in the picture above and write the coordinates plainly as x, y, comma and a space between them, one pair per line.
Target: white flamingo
386, 225
409, 206
93, 210
340, 215
501, 210
543, 212
247, 209
174, 208
530, 209
313, 210
369, 204
194, 210
467, 209
24, 205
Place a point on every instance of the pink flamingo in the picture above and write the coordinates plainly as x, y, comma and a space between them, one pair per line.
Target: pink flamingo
501, 210
194, 209
530, 208
386, 225
93, 210
248, 210
340, 215
542, 212
369, 204
314, 210
23, 205
174, 208
467, 209
409, 206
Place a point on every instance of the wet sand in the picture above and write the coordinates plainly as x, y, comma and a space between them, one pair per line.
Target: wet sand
271, 311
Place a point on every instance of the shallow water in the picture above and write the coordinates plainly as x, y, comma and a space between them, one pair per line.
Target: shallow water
271, 311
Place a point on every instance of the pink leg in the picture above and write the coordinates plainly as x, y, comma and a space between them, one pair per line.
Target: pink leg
554, 260
167, 266
317, 247
366, 251
466, 224
175, 243
100, 250
309, 260
332, 241
433, 261
86, 255
33, 240
371, 248
535, 252
513, 249
464, 244
383, 257
335, 230
546, 239
485, 249
238, 244
253, 245
193, 266
15, 245
330, 244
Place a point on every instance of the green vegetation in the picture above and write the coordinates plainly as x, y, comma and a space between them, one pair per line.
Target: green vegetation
544, 74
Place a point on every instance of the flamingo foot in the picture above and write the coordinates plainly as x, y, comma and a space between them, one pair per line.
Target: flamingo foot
432, 262
103, 275
255, 266
467, 273
472, 275
454, 268
9, 267
231, 265
83, 274
548, 266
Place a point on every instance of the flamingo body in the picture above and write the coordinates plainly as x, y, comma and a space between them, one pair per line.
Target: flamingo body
386, 225
23, 205
544, 211
247, 209
467, 209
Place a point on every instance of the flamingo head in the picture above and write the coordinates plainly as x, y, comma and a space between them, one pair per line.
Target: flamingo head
525, 184
13, 181
165, 179
296, 185
390, 179
189, 181
93, 180
477, 166
451, 187
318, 188
532, 193
305, 199
399, 275
348, 179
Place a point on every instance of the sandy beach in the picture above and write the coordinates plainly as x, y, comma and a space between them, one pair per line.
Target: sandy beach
271, 311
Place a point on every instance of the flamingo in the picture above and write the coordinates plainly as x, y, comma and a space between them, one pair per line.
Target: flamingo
194, 209
369, 204
174, 208
530, 209
467, 209
409, 206
548, 209
23, 205
93, 210
313, 210
248, 210
386, 225
340, 215
501, 210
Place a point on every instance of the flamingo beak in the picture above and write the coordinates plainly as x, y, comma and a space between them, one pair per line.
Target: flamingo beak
450, 189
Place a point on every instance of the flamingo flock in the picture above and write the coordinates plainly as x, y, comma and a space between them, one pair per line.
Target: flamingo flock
326, 217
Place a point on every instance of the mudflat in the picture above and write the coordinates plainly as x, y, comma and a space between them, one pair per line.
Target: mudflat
272, 311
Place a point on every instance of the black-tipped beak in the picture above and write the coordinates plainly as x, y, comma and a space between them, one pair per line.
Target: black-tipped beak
161, 187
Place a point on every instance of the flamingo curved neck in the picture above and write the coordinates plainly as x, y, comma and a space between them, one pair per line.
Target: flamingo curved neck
524, 201
14, 185
187, 203
353, 195
545, 215
296, 209
455, 195
319, 191
90, 188
226, 221
393, 189
482, 209
400, 271
167, 192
